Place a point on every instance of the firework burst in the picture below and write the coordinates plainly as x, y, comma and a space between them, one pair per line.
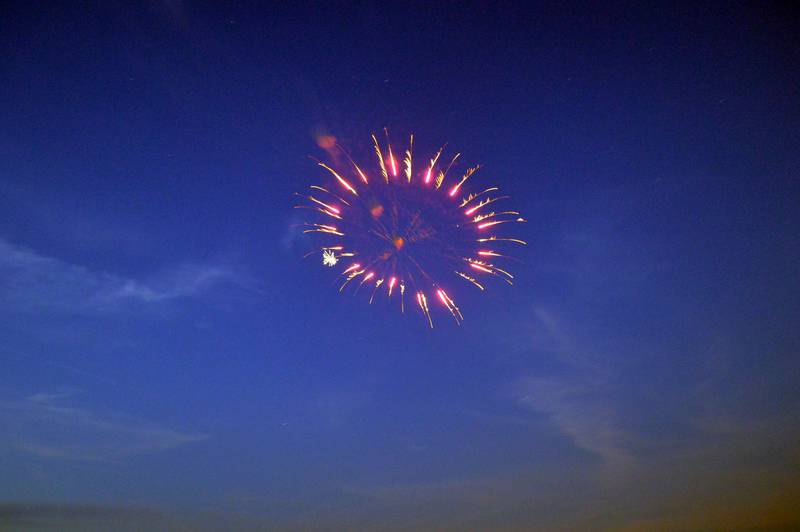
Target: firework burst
406, 233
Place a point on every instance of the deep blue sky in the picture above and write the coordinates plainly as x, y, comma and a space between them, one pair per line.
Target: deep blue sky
168, 357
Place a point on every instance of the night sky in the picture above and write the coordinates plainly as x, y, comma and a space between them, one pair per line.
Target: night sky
168, 360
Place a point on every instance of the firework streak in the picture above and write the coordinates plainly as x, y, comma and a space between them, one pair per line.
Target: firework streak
400, 228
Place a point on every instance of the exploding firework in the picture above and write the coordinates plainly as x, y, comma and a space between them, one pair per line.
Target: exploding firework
406, 233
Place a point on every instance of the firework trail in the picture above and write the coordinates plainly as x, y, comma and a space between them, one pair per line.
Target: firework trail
402, 227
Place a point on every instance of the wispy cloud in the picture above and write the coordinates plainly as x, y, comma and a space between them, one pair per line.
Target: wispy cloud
51, 425
575, 398
184, 282
598, 402
33, 282
579, 411
660, 443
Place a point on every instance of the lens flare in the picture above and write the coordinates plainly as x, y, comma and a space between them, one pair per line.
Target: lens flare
403, 226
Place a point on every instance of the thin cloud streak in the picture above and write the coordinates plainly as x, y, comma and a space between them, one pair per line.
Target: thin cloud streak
578, 411
576, 399
50, 425
33, 282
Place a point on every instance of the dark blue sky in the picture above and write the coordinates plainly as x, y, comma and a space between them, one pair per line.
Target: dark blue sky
168, 357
